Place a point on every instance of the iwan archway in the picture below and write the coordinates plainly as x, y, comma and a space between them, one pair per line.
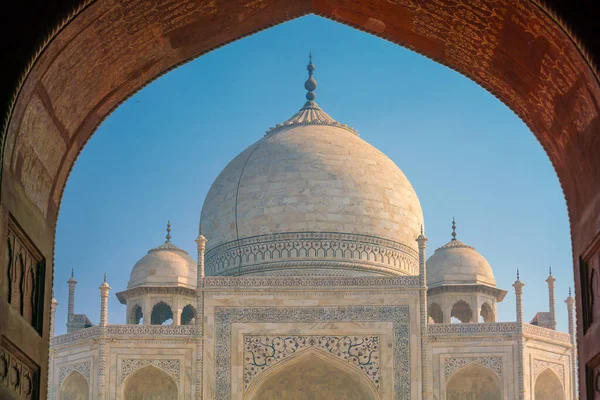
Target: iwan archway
105, 51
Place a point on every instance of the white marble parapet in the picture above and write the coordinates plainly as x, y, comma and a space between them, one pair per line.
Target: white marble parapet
116, 331
490, 328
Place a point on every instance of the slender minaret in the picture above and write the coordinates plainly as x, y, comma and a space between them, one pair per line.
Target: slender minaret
425, 370
104, 289
71, 307
551, 304
53, 306
201, 245
518, 285
571, 310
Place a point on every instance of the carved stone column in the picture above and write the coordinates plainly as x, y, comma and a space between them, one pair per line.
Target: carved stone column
53, 306
425, 367
104, 289
201, 243
518, 285
573, 333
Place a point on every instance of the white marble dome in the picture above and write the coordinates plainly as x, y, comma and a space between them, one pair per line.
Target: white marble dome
456, 263
166, 265
311, 197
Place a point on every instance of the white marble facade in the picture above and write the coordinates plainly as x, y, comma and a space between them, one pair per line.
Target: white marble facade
313, 284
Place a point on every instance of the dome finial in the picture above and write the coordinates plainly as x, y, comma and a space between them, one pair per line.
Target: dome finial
453, 229
310, 83
168, 231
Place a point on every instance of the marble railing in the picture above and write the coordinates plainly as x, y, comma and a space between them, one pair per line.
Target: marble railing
545, 333
473, 329
533, 331
115, 331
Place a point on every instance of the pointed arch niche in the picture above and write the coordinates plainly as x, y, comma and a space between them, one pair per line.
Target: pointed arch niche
150, 383
75, 387
309, 375
474, 382
548, 386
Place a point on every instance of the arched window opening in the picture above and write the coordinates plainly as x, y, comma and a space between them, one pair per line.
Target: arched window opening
474, 382
161, 314
314, 376
435, 313
462, 312
75, 387
150, 383
548, 386
136, 316
487, 313
188, 315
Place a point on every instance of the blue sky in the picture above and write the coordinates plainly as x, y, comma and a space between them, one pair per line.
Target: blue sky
466, 154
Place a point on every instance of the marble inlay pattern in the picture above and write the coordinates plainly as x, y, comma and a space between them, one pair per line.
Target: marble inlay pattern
130, 365
262, 352
496, 364
397, 315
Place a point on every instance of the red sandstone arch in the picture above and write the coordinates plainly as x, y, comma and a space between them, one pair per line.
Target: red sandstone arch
105, 51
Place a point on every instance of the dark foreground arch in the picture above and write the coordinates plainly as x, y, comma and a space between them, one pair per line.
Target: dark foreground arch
104, 51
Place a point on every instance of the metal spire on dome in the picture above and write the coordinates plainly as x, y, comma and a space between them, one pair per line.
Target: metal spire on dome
105, 277
517, 273
168, 231
550, 270
311, 84
453, 229
310, 113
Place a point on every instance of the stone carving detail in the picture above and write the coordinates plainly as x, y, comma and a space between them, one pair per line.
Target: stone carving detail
540, 365
397, 315
83, 368
123, 331
130, 365
393, 281
496, 364
25, 276
490, 327
261, 352
18, 373
285, 250
546, 333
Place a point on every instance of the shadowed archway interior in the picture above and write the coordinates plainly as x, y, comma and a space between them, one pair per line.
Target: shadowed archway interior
150, 383
474, 382
548, 386
112, 49
75, 387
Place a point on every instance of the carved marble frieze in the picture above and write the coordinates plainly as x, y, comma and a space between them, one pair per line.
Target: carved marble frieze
18, 373
452, 364
311, 250
24, 282
129, 365
225, 317
84, 368
262, 352
538, 366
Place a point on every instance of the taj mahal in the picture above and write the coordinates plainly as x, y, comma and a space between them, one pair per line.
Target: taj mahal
312, 282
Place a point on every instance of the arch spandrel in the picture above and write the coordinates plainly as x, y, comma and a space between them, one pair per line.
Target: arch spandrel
312, 374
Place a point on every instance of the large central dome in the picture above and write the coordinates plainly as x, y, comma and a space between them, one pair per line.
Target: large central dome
311, 198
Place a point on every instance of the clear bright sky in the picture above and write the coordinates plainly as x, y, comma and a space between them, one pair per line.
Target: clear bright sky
466, 154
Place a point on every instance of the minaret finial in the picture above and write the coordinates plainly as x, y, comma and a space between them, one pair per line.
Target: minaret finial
550, 270
453, 229
310, 83
168, 231
105, 277
422, 229
517, 273
72, 272
569, 291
